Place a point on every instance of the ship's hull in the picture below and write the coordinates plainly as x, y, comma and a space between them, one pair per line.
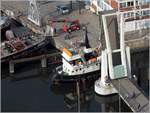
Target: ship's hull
26, 51
72, 78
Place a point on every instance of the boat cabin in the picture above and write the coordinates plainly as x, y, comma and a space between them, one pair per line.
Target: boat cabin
78, 62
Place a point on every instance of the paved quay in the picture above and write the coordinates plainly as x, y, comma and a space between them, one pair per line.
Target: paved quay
48, 11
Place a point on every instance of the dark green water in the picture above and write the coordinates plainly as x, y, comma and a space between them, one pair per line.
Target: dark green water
31, 90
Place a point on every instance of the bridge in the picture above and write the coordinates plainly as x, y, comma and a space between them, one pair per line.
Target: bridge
126, 89
131, 94
116, 65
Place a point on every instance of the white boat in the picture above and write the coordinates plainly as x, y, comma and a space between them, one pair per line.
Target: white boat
79, 62
83, 62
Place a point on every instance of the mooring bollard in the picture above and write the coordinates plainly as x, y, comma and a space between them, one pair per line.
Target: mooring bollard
11, 67
43, 61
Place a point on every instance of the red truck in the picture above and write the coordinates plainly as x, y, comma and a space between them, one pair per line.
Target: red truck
71, 26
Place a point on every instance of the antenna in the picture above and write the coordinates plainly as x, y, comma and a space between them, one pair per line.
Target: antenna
33, 14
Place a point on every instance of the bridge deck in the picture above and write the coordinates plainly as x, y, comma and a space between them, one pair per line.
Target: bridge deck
133, 97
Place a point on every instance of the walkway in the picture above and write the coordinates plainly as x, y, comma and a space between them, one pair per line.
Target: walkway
132, 96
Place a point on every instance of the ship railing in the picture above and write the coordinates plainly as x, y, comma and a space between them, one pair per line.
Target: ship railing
85, 65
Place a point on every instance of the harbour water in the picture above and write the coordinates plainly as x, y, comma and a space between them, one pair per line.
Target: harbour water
31, 90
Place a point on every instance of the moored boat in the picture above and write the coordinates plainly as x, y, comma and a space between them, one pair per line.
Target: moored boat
78, 63
20, 41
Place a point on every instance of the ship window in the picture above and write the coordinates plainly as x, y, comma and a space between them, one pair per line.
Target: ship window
76, 70
80, 69
88, 56
72, 71
96, 63
76, 62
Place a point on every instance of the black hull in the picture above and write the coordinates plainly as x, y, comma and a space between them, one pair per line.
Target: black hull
26, 51
65, 78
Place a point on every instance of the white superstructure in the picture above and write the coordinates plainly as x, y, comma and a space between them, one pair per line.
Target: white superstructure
80, 62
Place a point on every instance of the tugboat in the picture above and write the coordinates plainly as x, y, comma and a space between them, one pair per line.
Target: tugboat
20, 41
78, 63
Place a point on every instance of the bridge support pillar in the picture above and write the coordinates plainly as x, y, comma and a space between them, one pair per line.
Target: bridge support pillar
128, 61
11, 67
44, 62
103, 86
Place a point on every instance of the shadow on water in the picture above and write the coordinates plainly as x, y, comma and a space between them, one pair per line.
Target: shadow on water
31, 90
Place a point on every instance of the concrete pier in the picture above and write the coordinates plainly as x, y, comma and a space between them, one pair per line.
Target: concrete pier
42, 58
